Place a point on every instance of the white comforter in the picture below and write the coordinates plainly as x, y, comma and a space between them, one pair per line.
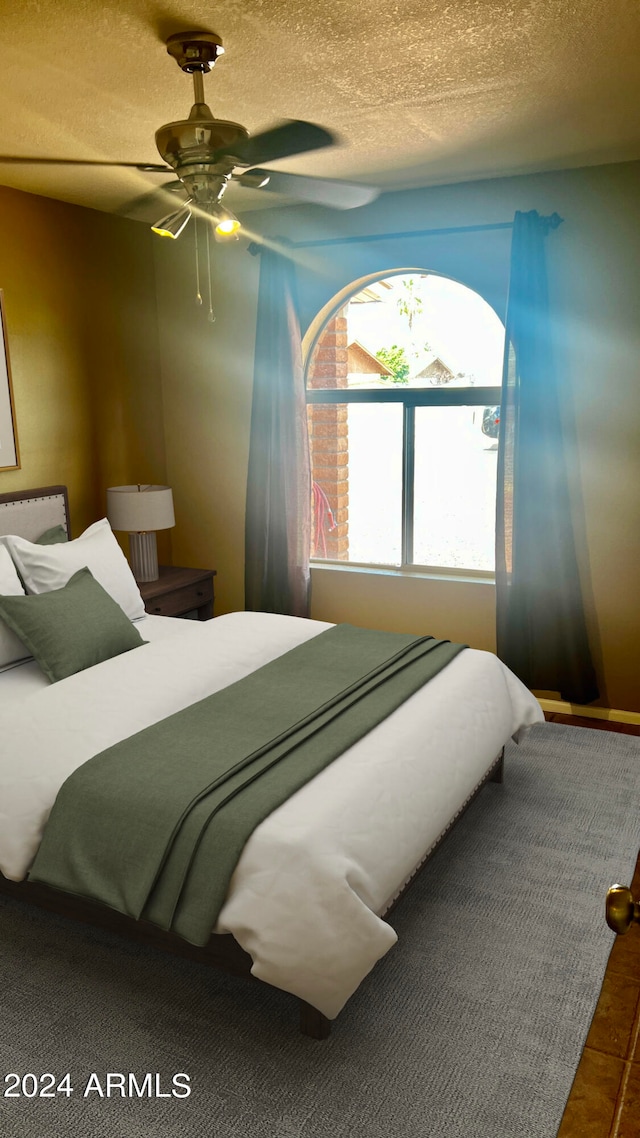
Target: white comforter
312, 878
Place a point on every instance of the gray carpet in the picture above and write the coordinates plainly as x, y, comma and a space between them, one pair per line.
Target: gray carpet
472, 1026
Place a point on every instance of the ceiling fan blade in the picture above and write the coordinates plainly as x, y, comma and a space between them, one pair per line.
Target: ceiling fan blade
322, 191
292, 137
151, 205
147, 167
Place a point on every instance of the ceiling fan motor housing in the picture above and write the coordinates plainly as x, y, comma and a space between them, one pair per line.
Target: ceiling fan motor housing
190, 146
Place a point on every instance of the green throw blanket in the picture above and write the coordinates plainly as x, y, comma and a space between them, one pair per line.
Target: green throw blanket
154, 826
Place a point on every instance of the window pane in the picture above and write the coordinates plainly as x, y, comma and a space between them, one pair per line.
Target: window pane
356, 462
405, 330
375, 483
455, 488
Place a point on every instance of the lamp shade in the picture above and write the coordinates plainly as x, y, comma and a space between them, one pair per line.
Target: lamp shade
173, 224
140, 508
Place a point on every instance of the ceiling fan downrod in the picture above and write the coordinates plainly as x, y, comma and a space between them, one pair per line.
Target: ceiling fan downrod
196, 148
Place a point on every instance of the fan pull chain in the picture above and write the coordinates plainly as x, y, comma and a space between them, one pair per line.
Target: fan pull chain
211, 316
198, 293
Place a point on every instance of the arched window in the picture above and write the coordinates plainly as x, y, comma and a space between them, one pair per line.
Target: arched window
403, 407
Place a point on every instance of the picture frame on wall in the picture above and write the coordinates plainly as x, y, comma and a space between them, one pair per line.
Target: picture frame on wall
9, 452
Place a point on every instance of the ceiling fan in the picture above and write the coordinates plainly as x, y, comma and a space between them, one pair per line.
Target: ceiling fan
205, 153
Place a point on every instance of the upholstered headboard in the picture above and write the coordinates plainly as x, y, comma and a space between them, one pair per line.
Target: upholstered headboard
28, 513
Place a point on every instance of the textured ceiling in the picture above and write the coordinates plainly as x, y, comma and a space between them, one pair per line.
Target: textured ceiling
419, 93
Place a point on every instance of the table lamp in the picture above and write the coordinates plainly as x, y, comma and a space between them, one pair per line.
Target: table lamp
141, 510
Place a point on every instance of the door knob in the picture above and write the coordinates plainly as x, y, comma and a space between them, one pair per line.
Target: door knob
621, 909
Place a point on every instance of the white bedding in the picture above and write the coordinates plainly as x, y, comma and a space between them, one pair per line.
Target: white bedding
314, 875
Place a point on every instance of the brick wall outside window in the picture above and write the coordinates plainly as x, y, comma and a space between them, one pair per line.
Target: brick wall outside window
329, 443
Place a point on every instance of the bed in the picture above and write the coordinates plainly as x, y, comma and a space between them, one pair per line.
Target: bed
309, 902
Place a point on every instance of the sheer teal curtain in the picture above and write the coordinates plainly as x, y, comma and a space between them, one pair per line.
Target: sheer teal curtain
278, 509
541, 630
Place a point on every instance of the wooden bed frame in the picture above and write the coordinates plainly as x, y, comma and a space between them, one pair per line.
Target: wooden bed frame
222, 950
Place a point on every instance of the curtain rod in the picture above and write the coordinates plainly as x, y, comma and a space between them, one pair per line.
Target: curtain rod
553, 221
407, 233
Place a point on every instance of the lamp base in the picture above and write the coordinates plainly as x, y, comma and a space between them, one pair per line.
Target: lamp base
143, 556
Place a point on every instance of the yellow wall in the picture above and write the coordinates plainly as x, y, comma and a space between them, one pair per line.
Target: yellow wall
207, 371
593, 258
39, 273
82, 329
122, 358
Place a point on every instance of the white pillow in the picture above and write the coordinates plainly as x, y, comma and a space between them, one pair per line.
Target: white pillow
46, 567
11, 647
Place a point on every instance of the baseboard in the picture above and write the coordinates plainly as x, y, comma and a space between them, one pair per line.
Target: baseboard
613, 714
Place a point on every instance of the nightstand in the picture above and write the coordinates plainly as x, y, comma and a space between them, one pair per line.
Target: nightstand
179, 591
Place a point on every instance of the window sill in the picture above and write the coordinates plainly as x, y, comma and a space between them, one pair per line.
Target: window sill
466, 576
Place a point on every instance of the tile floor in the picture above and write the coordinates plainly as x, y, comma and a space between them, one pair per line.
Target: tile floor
605, 1097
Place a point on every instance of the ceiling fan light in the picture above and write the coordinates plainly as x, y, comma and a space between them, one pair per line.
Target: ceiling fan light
227, 226
173, 224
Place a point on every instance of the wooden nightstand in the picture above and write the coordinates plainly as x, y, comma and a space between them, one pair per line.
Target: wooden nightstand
178, 591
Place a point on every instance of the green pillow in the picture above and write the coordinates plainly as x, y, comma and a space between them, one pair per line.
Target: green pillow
52, 536
72, 628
